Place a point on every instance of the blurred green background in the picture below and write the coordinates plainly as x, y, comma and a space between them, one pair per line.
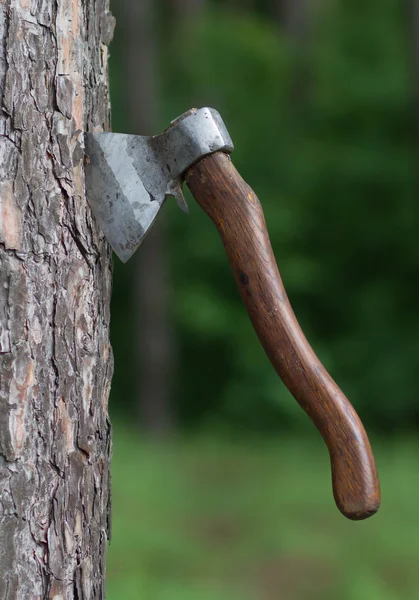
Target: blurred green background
221, 485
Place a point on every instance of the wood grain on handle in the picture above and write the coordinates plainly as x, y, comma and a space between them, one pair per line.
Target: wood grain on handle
237, 213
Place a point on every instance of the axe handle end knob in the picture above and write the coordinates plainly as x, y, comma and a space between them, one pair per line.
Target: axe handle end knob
236, 211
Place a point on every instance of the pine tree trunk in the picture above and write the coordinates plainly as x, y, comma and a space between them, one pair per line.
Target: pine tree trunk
55, 278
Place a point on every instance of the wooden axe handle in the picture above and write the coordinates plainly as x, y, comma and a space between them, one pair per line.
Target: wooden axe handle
238, 216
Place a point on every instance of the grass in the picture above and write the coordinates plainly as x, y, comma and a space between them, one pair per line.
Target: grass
211, 519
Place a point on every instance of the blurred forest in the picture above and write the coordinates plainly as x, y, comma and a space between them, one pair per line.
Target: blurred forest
321, 98
322, 101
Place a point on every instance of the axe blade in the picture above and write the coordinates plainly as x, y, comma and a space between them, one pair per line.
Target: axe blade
123, 208
128, 177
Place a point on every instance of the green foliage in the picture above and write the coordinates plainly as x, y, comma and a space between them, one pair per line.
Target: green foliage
327, 142
206, 519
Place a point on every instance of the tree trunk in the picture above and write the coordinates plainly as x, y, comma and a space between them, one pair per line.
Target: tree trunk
153, 334
189, 7
55, 278
412, 13
294, 18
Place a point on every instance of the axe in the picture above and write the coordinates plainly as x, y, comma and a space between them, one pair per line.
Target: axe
129, 177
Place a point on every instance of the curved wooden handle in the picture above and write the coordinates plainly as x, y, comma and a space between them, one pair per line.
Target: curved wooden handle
237, 213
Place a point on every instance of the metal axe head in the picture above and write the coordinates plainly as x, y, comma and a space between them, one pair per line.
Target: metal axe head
128, 177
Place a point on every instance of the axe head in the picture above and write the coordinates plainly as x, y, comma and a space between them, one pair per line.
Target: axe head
128, 177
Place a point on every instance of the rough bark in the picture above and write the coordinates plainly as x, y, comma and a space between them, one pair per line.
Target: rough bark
55, 277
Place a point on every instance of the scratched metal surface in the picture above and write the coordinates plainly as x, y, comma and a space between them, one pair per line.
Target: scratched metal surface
129, 177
